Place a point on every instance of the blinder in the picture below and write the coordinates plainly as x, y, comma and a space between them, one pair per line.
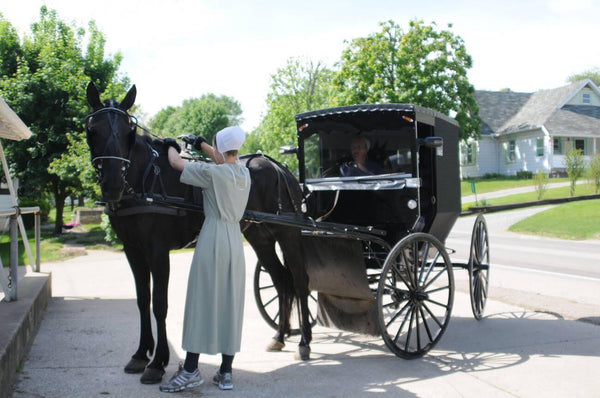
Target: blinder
97, 162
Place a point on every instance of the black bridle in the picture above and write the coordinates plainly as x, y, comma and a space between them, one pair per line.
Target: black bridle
97, 161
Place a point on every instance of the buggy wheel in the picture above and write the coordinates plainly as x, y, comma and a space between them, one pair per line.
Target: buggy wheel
267, 301
479, 267
415, 295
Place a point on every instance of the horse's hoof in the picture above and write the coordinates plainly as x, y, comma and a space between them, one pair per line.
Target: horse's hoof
136, 365
152, 376
275, 345
303, 353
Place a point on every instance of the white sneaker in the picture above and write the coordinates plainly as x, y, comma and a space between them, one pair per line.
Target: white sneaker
181, 380
223, 380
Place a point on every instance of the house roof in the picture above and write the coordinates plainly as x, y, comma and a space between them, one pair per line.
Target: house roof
11, 126
496, 107
509, 112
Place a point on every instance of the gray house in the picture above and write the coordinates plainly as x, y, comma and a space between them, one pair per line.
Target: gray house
533, 131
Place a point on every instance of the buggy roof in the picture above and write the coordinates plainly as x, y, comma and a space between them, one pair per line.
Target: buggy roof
422, 114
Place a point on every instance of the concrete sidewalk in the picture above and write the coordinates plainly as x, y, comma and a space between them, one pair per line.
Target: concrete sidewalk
90, 329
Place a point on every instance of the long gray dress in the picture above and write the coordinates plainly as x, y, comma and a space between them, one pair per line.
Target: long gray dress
214, 304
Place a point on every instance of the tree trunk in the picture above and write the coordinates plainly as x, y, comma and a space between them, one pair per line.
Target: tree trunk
59, 198
60, 207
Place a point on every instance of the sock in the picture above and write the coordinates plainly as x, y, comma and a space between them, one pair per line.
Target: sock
227, 361
191, 362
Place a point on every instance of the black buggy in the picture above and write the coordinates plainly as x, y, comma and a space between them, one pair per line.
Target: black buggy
375, 244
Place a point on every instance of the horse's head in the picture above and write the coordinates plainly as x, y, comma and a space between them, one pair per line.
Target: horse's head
110, 133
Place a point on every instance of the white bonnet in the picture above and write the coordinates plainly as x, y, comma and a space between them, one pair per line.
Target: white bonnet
230, 139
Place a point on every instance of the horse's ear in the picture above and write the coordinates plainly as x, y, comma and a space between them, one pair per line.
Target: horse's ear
129, 99
93, 97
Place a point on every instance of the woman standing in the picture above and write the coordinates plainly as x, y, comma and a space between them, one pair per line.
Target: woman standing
214, 304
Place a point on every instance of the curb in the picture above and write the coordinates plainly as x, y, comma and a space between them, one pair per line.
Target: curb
490, 209
20, 322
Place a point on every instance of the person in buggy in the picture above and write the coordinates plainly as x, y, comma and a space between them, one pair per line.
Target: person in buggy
360, 165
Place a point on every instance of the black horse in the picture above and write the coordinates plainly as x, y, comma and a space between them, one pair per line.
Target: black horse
134, 175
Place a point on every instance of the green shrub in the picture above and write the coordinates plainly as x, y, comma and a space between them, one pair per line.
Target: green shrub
29, 219
110, 235
524, 175
541, 183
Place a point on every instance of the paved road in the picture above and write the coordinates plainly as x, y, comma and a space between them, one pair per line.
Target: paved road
544, 274
91, 328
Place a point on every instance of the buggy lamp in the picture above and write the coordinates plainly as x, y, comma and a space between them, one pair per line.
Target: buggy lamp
413, 183
412, 204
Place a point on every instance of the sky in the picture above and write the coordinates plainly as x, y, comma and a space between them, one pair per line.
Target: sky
175, 50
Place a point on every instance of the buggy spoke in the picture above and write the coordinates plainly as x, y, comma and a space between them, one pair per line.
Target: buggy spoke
410, 323
423, 262
397, 315
399, 275
439, 289
266, 304
435, 318
266, 287
437, 303
425, 324
407, 263
442, 272
403, 323
431, 266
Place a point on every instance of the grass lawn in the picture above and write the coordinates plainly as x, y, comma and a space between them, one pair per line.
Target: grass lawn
53, 248
498, 184
574, 220
554, 193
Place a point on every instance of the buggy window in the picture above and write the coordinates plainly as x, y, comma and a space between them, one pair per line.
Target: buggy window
327, 153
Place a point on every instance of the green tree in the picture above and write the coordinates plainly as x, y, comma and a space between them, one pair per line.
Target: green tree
10, 48
75, 167
423, 66
200, 116
47, 91
575, 165
592, 74
593, 171
300, 86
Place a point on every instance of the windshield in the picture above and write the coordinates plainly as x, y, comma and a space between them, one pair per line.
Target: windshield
358, 154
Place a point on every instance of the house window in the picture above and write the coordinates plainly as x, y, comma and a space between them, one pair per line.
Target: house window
539, 147
580, 144
510, 148
586, 98
468, 153
557, 147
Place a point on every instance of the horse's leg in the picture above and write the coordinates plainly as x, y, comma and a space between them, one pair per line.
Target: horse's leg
263, 244
141, 276
292, 253
159, 260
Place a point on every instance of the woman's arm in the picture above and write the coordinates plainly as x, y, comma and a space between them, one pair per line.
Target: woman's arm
209, 150
175, 159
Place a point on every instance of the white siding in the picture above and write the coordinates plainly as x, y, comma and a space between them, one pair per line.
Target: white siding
487, 159
526, 153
